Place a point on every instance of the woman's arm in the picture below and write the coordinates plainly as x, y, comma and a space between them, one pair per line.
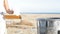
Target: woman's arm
7, 7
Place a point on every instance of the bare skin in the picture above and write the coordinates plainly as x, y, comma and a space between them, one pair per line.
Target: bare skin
7, 7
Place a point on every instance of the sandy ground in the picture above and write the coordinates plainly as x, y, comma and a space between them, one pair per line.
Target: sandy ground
25, 27
28, 24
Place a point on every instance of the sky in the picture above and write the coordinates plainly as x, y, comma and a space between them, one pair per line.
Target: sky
37, 5
34, 5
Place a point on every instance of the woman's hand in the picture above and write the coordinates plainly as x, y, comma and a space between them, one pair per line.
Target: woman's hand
10, 11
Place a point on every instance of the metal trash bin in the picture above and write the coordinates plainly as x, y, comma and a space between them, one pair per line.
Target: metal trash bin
42, 26
49, 26
53, 25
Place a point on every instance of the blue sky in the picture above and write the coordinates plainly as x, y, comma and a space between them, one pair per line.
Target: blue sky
39, 5
35, 6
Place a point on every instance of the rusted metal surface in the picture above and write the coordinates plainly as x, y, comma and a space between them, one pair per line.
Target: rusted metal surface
12, 16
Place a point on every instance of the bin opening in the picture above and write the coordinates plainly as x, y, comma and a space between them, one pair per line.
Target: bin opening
54, 18
58, 32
